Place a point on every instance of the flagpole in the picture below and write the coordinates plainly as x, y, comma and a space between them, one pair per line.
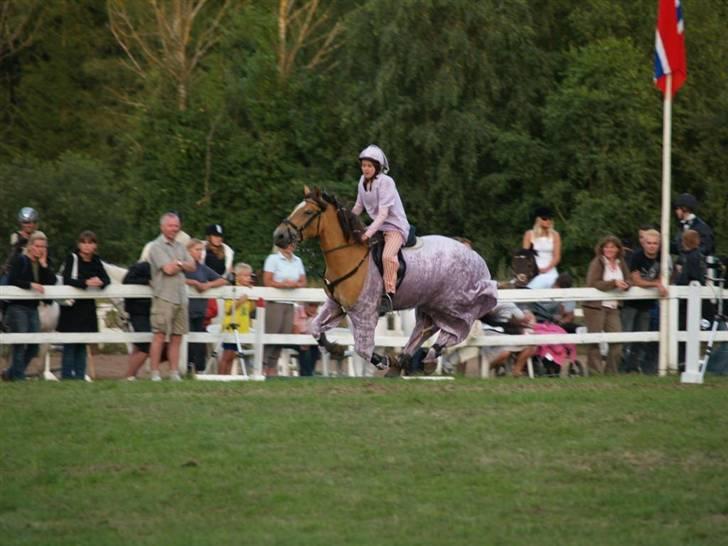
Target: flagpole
665, 223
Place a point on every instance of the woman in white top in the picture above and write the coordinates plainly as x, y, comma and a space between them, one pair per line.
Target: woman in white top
546, 241
282, 269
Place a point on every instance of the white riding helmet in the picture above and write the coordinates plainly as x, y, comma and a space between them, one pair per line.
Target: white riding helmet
375, 153
27, 214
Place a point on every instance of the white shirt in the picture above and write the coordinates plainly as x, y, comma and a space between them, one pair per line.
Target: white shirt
612, 275
284, 269
545, 248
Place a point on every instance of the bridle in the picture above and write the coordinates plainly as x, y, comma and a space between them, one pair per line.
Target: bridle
329, 285
317, 216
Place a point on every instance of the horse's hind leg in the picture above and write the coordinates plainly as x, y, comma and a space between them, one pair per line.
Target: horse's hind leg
444, 340
424, 328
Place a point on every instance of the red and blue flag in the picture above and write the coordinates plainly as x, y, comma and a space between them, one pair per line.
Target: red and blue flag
670, 45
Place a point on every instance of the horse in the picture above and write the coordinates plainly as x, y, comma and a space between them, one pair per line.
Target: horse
447, 283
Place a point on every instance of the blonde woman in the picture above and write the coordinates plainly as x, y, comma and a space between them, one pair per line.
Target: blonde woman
30, 270
546, 241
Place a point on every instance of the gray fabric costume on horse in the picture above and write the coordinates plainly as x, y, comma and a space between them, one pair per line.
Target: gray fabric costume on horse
447, 283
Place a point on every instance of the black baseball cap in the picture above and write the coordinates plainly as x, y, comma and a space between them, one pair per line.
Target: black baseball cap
543, 212
214, 229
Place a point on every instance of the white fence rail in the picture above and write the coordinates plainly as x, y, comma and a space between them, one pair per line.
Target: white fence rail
396, 338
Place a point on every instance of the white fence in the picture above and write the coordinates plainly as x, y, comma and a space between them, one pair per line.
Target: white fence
395, 338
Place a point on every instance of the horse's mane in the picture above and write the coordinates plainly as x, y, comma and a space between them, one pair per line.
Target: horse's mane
350, 223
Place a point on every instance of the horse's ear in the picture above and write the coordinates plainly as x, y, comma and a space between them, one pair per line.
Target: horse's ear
306, 190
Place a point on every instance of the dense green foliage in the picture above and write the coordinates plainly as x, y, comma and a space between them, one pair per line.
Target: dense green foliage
595, 461
485, 110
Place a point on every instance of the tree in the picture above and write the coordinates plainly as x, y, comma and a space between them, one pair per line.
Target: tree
72, 193
305, 28
19, 24
172, 37
602, 130
54, 94
440, 86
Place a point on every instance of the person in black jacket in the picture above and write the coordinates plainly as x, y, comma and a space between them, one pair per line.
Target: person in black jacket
685, 208
82, 269
690, 267
28, 270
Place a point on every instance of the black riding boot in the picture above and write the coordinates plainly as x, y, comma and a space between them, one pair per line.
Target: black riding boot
385, 304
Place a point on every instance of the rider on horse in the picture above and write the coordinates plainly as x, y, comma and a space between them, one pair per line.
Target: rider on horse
377, 194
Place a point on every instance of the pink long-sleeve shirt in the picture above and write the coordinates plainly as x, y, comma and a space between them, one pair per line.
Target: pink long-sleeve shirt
383, 205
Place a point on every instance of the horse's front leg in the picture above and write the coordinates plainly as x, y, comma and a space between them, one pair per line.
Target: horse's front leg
328, 317
363, 325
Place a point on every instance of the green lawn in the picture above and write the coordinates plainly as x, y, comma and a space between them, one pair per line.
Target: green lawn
620, 461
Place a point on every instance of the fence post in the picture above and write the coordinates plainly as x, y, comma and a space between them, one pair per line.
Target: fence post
259, 334
692, 350
325, 359
673, 313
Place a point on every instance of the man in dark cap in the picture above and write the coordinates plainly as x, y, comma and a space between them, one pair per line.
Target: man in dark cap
685, 208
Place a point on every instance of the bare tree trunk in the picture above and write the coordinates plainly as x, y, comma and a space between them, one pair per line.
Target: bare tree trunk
302, 29
206, 192
19, 23
161, 38
283, 6
182, 96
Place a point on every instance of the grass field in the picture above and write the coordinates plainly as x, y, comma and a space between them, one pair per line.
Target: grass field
621, 461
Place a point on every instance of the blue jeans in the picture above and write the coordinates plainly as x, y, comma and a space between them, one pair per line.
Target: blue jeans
639, 357
307, 360
197, 352
20, 320
73, 363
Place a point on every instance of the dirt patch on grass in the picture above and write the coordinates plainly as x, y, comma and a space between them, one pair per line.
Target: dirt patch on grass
100, 366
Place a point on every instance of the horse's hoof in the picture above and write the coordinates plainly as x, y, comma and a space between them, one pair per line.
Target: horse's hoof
430, 367
405, 363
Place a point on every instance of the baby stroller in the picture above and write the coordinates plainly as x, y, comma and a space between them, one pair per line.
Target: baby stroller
555, 360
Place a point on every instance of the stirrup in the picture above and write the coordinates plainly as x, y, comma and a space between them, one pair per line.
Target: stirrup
385, 304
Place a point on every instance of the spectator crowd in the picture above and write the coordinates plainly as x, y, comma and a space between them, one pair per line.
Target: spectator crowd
169, 264
175, 261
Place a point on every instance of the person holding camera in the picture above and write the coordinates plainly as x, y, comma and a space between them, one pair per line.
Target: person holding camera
546, 241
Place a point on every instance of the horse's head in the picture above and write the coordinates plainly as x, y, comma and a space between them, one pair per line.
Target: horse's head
304, 221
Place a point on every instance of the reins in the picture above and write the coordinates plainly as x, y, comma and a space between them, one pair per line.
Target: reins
328, 285
332, 284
